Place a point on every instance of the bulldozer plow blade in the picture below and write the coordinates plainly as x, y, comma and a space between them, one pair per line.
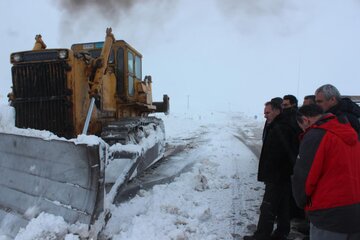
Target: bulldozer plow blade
53, 176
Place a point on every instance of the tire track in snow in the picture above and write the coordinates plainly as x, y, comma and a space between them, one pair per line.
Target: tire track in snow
246, 191
237, 203
245, 195
241, 203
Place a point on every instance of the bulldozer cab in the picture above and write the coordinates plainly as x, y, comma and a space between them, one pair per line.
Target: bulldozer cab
124, 62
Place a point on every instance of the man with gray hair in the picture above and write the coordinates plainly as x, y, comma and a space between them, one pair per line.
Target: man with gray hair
329, 99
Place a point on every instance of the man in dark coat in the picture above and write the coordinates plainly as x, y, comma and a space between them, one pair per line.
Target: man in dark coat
326, 180
329, 99
290, 107
275, 169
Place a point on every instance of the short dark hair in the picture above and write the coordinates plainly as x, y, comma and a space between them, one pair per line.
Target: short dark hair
311, 110
292, 99
274, 105
277, 99
310, 97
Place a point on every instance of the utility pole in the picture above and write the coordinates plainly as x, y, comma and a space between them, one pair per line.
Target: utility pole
299, 77
188, 102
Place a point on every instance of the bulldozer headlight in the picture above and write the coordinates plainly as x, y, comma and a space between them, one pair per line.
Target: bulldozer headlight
63, 54
17, 57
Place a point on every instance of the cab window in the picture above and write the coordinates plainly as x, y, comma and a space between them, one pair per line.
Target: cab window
131, 63
119, 71
131, 88
96, 53
138, 67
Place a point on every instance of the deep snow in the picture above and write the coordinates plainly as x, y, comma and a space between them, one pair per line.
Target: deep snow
218, 198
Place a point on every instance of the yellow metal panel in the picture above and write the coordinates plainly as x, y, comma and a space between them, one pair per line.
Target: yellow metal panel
109, 92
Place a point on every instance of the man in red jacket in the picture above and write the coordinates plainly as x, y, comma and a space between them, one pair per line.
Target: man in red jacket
326, 179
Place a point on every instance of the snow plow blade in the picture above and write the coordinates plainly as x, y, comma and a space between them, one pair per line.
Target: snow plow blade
53, 176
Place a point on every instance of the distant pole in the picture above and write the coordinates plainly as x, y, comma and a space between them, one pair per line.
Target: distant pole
299, 76
188, 102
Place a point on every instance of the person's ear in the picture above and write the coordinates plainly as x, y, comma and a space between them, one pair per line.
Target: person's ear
308, 122
305, 123
332, 100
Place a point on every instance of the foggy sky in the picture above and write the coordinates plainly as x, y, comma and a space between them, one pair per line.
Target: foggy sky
207, 55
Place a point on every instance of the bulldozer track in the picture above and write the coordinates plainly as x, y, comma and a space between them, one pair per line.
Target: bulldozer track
126, 130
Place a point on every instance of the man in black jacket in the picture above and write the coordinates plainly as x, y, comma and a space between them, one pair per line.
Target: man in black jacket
329, 99
275, 169
290, 107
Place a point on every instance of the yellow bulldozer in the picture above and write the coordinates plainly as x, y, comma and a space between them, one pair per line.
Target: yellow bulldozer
94, 88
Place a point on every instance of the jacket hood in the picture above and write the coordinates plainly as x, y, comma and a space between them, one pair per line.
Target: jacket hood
338, 126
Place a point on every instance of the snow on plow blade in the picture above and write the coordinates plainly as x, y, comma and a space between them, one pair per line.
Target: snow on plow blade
53, 176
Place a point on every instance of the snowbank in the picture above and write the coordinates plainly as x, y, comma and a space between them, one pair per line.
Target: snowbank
7, 125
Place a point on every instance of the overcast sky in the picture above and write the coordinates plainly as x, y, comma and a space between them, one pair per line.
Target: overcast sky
205, 54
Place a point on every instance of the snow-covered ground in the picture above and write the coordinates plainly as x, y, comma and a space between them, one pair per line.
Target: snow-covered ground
218, 198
